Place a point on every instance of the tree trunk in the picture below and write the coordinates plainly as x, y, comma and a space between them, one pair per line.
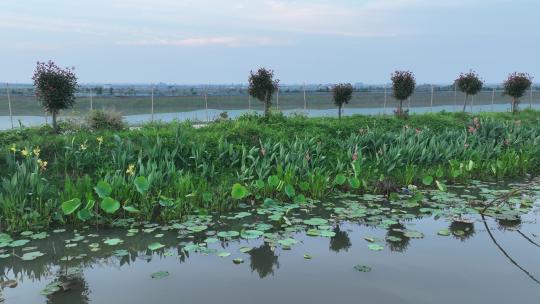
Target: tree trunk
339, 112
54, 125
465, 103
400, 108
514, 105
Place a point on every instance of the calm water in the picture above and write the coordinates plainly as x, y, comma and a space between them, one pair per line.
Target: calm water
468, 267
212, 114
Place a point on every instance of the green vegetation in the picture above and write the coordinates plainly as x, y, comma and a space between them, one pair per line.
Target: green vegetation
470, 84
342, 94
403, 84
162, 172
55, 88
515, 86
262, 86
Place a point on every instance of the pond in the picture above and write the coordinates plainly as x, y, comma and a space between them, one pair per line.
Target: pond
212, 114
420, 247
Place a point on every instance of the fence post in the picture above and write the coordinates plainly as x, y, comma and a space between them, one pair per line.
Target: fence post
385, 99
431, 105
277, 98
455, 96
493, 100
305, 100
152, 103
91, 101
9, 104
206, 103
530, 98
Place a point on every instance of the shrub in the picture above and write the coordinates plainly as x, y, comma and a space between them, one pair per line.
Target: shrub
110, 120
470, 84
515, 86
262, 86
55, 88
342, 94
403, 84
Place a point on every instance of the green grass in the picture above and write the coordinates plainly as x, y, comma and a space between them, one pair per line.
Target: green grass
287, 159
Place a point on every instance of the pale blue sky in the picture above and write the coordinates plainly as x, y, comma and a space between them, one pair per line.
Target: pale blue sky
314, 41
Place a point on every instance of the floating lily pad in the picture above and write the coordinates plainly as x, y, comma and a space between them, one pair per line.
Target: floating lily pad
228, 234
315, 221
113, 242
251, 234
245, 249
18, 243
444, 232
375, 247
413, 234
29, 256
362, 268
160, 274
155, 246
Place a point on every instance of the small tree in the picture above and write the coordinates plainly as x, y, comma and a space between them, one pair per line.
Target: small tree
262, 86
55, 88
342, 94
516, 85
403, 84
470, 84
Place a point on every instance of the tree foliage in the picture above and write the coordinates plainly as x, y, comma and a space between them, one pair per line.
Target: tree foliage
403, 84
55, 87
515, 86
342, 94
262, 86
470, 84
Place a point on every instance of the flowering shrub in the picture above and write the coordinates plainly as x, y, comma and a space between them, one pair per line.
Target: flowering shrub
470, 84
515, 86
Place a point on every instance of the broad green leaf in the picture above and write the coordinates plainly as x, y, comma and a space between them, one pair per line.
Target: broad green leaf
441, 186
68, 207
340, 179
289, 191
103, 189
109, 205
427, 180
131, 209
166, 202
141, 184
354, 182
84, 214
273, 181
239, 192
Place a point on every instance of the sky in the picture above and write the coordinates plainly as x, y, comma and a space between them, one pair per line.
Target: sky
311, 41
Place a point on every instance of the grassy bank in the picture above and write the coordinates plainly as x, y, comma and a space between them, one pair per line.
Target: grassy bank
165, 171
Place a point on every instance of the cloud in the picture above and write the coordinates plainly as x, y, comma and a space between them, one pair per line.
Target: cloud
204, 41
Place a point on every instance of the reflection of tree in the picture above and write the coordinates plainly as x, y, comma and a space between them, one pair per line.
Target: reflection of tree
263, 260
462, 230
509, 224
340, 241
506, 253
396, 230
74, 290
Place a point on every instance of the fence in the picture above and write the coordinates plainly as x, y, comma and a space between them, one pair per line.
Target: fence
205, 104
